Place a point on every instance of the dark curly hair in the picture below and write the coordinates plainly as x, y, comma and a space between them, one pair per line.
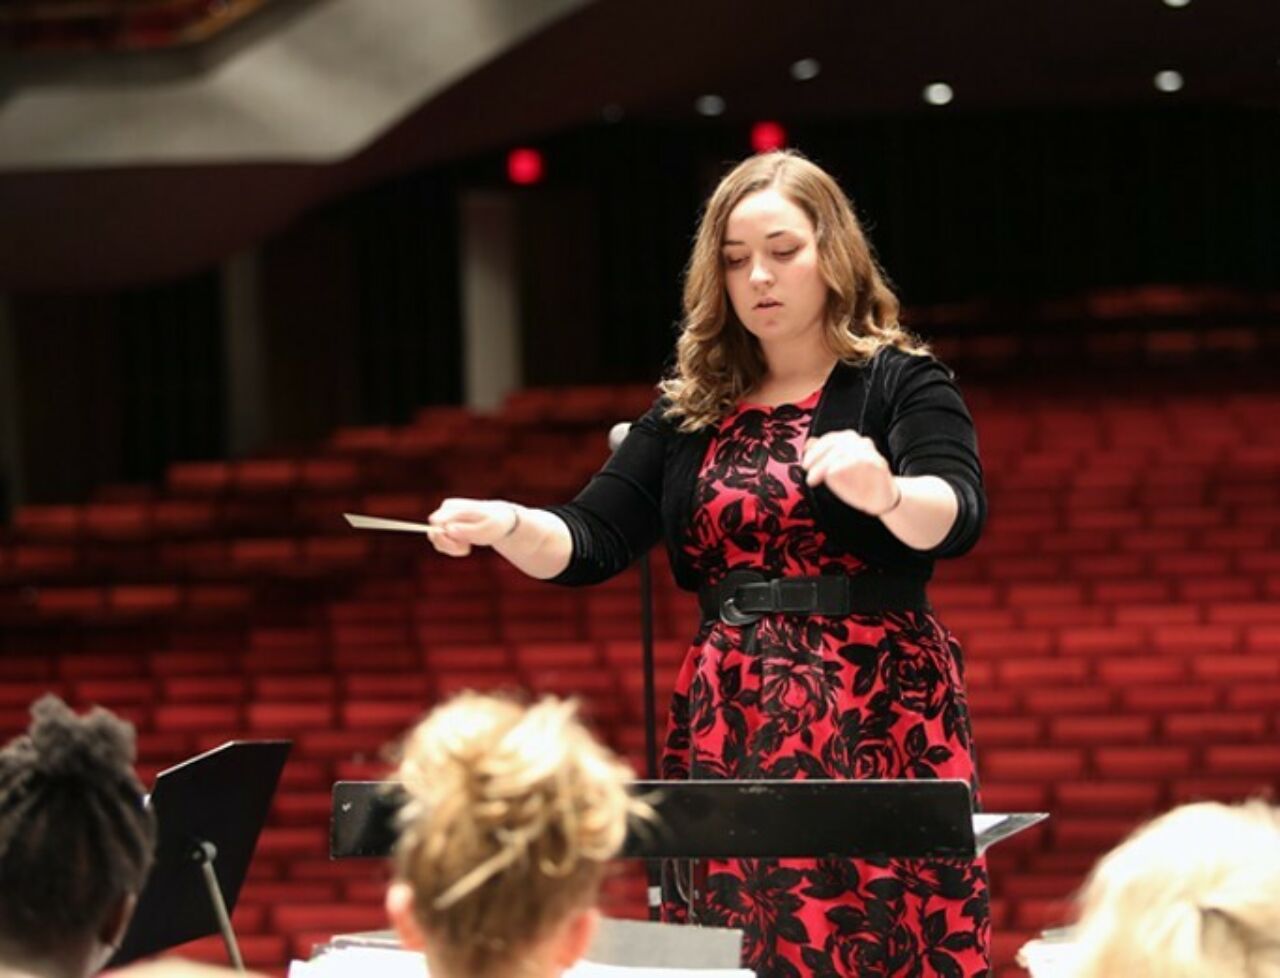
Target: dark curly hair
75, 834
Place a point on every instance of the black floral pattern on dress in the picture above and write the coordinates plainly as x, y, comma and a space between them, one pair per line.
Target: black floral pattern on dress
861, 697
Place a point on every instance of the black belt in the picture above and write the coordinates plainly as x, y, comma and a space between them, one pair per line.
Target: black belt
745, 596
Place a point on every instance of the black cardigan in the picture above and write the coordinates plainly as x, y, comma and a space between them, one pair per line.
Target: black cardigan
907, 404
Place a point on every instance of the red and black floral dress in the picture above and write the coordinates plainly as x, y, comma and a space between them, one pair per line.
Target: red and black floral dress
819, 697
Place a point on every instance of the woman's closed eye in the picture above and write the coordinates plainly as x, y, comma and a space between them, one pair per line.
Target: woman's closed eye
737, 261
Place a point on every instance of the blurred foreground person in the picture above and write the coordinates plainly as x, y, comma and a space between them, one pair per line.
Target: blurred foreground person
1194, 893
76, 842
512, 813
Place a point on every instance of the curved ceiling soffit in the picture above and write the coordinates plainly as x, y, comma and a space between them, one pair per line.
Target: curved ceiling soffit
322, 83
117, 171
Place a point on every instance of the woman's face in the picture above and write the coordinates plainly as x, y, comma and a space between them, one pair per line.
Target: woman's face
770, 255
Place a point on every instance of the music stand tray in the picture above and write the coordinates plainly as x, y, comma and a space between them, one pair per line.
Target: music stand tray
210, 810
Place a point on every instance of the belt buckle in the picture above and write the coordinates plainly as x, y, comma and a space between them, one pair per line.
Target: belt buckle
730, 614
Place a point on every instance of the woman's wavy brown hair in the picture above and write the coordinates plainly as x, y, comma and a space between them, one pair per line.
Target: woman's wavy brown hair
717, 360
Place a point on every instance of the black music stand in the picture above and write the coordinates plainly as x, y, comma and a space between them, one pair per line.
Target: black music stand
742, 819
210, 810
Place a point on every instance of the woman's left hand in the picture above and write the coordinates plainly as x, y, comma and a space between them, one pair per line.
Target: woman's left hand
854, 470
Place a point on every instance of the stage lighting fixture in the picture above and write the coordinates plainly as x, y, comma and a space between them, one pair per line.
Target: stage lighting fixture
709, 105
938, 93
768, 135
525, 166
805, 69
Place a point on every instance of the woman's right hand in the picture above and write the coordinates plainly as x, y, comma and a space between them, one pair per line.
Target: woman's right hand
457, 525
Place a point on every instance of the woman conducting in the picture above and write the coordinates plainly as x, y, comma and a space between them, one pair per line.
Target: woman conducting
806, 463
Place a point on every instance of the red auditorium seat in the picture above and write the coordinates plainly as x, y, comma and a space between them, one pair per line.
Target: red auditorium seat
71, 600
369, 439
259, 951
1143, 762
181, 662
182, 517
264, 552
1198, 728
1163, 699
149, 599
1033, 763
264, 476
1006, 731
98, 665
282, 717
113, 692
198, 717
199, 478
118, 521
218, 599
350, 655
1262, 760
414, 686
1107, 797
1015, 797
392, 715
1254, 696
1111, 729
49, 522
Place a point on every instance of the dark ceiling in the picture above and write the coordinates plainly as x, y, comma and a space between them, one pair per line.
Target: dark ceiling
649, 61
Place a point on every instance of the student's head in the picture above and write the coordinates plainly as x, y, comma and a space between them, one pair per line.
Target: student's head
1193, 894
777, 226
76, 840
511, 813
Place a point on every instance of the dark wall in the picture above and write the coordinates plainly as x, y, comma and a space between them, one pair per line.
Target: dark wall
113, 387
1002, 207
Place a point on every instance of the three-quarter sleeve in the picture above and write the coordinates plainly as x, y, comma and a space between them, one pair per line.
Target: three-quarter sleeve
617, 517
930, 432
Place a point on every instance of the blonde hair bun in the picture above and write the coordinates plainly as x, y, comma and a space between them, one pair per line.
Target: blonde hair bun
511, 813
1193, 894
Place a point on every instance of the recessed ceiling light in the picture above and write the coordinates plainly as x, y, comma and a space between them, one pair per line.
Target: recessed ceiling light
938, 93
1176, 3
805, 69
1168, 81
709, 105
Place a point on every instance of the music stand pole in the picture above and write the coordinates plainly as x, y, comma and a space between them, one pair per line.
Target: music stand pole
652, 870
204, 853
646, 638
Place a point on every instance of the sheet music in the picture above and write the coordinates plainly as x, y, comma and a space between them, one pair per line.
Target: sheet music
1049, 958
353, 961
990, 827
350, 962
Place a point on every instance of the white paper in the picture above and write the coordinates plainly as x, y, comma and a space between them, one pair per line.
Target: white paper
990, 828
359, 962
350, 962
1049, 959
